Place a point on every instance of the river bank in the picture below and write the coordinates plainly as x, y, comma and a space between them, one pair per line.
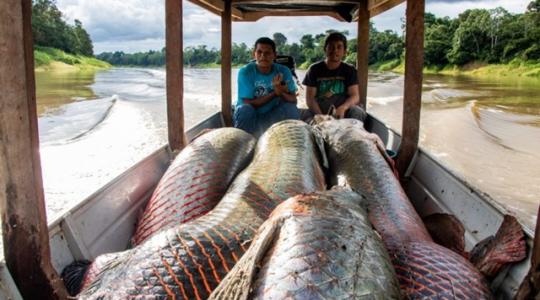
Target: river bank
515, 68
51, 59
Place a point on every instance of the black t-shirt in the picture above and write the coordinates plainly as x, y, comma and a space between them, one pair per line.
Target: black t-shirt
331, 84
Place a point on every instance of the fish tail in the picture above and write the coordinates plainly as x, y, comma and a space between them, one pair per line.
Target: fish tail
506, 247
73, 276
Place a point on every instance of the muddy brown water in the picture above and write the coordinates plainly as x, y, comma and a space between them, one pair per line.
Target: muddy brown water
95, 125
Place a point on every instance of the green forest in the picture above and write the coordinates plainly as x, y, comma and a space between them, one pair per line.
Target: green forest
49, 29
57, 41
492, 36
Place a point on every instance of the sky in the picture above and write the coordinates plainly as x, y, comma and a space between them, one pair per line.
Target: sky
139, 25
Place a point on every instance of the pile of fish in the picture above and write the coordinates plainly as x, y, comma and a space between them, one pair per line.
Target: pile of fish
217, 229
188, 261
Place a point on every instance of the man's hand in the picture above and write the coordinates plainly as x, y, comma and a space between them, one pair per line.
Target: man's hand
340, 111
279, 87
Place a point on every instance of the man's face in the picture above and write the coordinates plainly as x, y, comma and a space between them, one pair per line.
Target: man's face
264, 55
335, 51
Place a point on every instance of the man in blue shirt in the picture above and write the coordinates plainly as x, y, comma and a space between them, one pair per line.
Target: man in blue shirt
266, 91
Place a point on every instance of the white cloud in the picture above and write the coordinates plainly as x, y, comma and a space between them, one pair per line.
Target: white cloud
454, 8
139, 25
127, 20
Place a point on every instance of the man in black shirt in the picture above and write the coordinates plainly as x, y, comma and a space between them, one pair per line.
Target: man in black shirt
332, 82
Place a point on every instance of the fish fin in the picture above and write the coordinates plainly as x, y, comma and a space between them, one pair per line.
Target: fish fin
447, 231
73, 276
238, 282
506, 247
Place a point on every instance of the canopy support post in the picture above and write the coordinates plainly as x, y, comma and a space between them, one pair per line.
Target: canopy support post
362, 43
175, 74
412, 98
22, 202
226, 58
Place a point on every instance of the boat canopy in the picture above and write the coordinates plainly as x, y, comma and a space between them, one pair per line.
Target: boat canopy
253, 10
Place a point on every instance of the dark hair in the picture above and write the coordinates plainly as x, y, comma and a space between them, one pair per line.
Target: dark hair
335, 37
265, 41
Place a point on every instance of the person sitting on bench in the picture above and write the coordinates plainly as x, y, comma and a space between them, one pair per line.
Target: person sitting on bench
266, 91
333, 83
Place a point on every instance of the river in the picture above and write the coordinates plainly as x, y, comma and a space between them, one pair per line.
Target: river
95, 125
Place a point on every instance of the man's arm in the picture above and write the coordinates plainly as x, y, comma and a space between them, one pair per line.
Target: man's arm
311, 102
353, 99
260, 101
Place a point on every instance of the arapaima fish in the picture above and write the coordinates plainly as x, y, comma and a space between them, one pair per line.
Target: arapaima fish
314, 246
424, 269
196, 180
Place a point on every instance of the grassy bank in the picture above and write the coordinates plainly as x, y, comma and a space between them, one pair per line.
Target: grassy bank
515, 68
53, 59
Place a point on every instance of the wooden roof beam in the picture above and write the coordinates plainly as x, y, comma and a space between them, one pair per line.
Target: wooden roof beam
217, 7
282, 2
376, 7
254, 16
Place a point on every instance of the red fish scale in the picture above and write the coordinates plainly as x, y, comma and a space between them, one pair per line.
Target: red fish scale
196, 180
425, 270
188, 262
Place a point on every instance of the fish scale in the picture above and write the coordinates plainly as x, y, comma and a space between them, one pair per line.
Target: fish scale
196, 180
424, 269
188, 262
314, 246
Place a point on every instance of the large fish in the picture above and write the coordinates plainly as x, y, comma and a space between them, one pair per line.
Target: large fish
314, 246
189, 261
196, 180
424, 269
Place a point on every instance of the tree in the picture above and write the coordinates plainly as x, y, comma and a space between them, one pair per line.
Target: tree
437, 41
307, 41
83, 43
534, 6
50, 30
470, 37
281, 40
384, 46
241, 54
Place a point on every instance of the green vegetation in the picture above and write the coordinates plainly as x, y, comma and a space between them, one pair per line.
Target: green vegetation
56, 42
507, 43
44, 57
50, 30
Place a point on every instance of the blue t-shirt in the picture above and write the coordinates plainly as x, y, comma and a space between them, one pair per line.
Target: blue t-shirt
253, 84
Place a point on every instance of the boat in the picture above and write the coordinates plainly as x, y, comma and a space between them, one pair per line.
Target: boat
36, 252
